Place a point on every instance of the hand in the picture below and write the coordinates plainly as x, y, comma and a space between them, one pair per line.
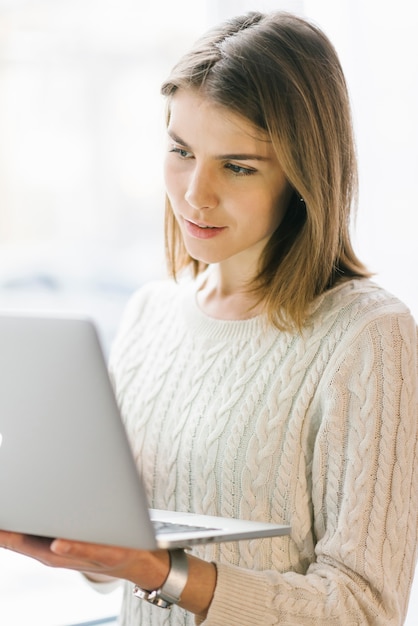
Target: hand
143, 568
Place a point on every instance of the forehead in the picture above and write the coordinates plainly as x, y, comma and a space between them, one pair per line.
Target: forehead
193, 115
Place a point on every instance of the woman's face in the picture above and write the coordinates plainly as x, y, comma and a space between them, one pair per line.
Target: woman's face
224, 182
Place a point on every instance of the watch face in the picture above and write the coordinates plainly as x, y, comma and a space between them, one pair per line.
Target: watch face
153, 597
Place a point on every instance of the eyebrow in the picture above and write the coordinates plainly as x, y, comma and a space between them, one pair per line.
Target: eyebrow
240, 156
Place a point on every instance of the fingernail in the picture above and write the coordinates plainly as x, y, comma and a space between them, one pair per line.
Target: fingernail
60, 547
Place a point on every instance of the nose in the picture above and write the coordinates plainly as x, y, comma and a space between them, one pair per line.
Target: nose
201, 189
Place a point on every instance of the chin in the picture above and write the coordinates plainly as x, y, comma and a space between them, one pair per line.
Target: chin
207, 259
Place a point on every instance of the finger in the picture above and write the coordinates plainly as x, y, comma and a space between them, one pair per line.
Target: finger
7, 538
38, 548
23, 543
100, 555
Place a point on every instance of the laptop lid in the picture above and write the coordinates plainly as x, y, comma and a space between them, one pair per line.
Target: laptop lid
66, 465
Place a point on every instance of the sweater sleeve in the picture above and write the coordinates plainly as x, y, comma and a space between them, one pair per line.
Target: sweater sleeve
365, 504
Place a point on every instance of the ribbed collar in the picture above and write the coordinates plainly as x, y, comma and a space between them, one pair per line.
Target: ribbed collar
200, 323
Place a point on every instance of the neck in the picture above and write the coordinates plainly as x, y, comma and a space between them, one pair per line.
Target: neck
226, 295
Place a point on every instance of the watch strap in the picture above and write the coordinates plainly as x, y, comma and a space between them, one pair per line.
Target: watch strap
170, 592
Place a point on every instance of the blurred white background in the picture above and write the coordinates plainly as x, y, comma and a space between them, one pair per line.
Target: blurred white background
81, 198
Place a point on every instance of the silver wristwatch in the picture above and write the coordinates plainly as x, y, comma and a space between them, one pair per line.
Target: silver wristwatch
170, 592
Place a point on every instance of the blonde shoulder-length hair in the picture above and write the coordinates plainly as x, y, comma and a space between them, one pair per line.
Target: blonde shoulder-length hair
282, 74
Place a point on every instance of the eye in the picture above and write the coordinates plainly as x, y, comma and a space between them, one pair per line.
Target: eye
239, 170
182, 152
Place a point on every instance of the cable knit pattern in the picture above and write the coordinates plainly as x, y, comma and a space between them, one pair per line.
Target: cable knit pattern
318, 430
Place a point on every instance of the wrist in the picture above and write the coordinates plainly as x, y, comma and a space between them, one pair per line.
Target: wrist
171, 590
200, 588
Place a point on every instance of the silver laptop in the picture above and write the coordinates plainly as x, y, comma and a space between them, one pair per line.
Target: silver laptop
66, 465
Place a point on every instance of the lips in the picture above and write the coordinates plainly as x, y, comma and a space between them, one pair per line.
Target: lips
202, 231
200, 224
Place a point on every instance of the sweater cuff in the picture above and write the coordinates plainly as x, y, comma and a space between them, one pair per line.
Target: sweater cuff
104, 587
239, 599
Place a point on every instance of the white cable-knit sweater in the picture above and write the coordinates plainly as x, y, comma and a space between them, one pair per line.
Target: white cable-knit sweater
317, 430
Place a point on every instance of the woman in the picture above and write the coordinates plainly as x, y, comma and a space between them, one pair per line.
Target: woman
274, 381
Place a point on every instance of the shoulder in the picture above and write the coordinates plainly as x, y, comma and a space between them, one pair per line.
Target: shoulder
360, 318
356, 313
356, 303
150, 300
152, 293
369, 341
149, 310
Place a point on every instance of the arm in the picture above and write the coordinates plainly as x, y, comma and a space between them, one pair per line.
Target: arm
364, 476
102, 564
199, 588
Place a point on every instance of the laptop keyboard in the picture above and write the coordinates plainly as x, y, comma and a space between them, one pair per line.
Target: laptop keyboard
175, 527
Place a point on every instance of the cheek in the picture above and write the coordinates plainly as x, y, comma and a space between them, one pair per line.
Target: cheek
268, 217
172, 190
281, 202
277, 215
167, 174
174, 181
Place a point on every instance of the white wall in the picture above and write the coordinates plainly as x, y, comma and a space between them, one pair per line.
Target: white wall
378, 47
